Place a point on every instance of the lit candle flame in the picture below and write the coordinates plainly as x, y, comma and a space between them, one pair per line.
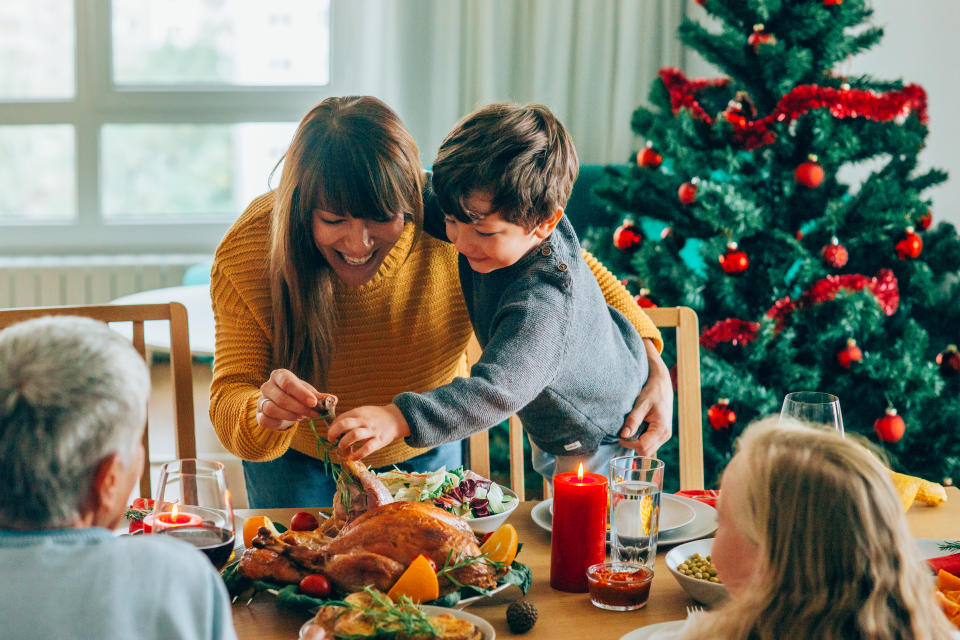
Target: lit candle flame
580, 473
176, 510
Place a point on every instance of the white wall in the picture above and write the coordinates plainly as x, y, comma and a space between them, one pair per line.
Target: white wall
919, 47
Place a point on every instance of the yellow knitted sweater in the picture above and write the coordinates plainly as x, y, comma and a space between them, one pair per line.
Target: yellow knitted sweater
405, 330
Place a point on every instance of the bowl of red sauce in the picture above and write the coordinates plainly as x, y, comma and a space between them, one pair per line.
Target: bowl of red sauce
619, 586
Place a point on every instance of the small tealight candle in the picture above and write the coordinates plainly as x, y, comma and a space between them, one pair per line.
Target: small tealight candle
173, 520
579, 532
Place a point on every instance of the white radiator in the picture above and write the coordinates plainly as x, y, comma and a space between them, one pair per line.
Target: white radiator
32, 281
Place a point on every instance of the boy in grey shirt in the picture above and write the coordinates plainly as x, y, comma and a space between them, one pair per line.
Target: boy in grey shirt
554, 352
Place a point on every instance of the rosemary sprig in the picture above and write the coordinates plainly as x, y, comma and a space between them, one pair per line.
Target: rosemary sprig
450, 565
950, 545
324, 447
136, 514
386, 615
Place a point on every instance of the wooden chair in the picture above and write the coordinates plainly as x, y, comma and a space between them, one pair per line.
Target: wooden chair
685, 321
180, 360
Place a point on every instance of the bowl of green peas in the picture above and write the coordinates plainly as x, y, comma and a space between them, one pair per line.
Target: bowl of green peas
692, 567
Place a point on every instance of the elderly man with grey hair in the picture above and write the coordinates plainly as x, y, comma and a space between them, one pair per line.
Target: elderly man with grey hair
73, 398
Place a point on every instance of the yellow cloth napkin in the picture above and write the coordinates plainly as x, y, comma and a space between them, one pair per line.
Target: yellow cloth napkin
912, 488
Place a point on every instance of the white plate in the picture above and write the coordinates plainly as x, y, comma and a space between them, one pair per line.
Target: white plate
703, 524
486, 629
673, 513
930, 548
643, 633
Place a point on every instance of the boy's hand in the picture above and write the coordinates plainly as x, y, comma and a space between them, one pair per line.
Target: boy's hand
369, 428
654, 405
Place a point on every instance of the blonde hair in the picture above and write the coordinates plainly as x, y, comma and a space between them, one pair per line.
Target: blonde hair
351, 156
836, 559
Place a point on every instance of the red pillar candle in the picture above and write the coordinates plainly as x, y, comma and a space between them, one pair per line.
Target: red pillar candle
579, 528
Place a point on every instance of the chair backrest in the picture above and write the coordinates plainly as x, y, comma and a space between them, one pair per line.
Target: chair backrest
685, 321
180, 363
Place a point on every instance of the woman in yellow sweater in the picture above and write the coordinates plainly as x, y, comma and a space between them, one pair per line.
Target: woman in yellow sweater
328, 284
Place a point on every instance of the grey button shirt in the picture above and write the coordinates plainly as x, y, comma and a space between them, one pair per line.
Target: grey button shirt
554, 352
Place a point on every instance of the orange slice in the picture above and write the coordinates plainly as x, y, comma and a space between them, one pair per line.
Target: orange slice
252, 524
418, 582
502, 545
946, 581
949, 606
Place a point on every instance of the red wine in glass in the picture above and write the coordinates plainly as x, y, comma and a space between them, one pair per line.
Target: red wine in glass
215, 542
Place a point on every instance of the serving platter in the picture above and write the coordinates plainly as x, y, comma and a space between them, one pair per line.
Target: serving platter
486, 629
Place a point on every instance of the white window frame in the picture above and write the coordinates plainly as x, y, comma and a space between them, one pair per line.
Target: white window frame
98, 102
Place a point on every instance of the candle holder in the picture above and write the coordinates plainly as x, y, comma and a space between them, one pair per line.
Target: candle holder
193, 504
579, 534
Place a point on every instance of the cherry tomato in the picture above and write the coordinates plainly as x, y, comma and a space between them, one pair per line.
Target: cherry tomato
433, 565
303, 521
485, 536
315, 585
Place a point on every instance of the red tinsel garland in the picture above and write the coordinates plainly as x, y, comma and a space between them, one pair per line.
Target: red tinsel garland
732, 330
740, 332
842, 103
884, 286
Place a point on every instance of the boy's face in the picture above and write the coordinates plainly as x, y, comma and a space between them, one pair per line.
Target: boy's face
492, 243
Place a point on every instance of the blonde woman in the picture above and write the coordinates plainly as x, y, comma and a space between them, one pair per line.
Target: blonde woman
329, 285
812, 543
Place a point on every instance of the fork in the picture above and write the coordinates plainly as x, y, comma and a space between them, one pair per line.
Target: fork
694, 609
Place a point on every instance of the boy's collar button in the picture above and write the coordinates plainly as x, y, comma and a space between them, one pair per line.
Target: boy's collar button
562, 266
545, 251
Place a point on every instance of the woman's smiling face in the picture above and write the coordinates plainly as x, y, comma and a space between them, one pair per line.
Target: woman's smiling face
354, 247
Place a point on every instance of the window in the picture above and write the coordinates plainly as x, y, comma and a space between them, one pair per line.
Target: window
145, 126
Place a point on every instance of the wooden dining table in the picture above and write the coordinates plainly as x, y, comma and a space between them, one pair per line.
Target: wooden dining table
561, 615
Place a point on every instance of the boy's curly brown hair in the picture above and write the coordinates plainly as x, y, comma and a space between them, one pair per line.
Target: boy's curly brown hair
520, 154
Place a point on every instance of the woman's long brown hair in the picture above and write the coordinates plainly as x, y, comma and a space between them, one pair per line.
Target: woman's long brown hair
351, 156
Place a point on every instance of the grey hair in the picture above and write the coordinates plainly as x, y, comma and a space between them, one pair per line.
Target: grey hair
72, 393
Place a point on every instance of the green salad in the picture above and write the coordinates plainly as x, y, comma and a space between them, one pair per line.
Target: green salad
458, 491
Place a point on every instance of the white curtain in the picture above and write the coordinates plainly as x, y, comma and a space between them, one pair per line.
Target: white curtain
590, 61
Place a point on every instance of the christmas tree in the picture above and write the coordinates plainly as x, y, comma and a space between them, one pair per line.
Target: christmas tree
803, 279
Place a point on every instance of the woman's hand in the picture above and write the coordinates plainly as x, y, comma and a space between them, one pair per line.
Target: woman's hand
654, 405
284, 400
370, 428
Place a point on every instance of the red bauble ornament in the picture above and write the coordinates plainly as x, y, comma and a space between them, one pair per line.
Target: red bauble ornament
949, 360
910, 245
832, 3
835, 254
925, 220
688, 192
758, 38
890, 427
809, 173
648, 158
720, 415
734, 261
627, 237
643, 299
849, 354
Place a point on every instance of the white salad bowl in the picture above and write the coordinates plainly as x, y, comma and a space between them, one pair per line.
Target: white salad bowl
486, 524
708, 593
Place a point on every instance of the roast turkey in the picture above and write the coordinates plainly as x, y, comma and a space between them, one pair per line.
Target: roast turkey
373, 547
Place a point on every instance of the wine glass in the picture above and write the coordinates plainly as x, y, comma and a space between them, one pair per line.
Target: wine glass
193, 504
814, 408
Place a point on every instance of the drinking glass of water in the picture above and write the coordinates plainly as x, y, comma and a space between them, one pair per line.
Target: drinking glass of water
813, 408
193, 504
635, 486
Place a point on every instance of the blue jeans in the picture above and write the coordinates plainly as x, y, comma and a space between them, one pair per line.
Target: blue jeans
297, 480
